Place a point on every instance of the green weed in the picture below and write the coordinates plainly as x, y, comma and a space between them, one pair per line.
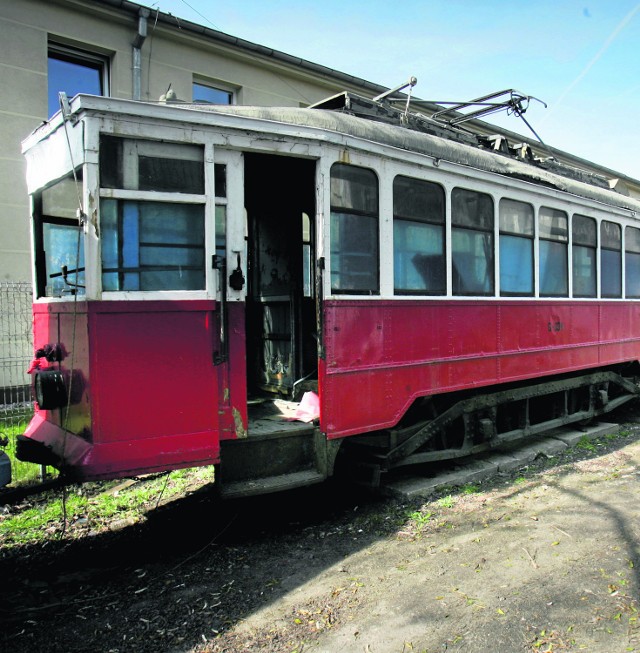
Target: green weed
447, 502
585, 444
421, 519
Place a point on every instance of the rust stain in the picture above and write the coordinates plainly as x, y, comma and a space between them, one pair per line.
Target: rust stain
241, 432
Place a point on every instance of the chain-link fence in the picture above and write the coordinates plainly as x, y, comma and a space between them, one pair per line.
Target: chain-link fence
16, 352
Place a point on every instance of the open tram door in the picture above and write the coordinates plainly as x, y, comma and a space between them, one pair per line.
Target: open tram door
281, 310
272, 327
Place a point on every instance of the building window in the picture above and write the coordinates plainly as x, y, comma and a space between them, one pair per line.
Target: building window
472, 242
516, 248
205, 94
584, 239
355, 256
554, 236
75, 71
418, 237
611, 259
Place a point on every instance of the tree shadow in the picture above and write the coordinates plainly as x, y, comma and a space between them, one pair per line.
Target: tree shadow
198, 566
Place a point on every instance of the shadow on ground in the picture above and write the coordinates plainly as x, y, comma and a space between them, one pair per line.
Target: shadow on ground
197, 567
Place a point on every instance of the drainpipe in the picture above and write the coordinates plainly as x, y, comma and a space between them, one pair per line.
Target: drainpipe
137, 54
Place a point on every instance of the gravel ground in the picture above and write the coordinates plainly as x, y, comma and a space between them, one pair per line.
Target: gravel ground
545, 559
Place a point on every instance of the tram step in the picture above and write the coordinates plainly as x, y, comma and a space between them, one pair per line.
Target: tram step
266, 457
246, 488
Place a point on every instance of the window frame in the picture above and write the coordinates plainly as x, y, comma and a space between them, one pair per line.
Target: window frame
502, 231
41, 219
628, 251
426, 220
592, 247
335, 213
81, 57
134, 145
212, 85
617, 294
564, 242
463, 228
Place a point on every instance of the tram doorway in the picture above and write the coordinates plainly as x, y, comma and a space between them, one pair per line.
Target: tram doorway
281, 303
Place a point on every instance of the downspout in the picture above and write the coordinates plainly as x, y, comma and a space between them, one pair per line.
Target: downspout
137, 53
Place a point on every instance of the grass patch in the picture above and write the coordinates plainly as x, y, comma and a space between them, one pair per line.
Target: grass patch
585, 444
93, 507
13, 422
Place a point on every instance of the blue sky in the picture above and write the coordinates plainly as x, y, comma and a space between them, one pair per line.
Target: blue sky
581, 58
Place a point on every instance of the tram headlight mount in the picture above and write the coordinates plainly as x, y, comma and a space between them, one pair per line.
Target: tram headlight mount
50, 389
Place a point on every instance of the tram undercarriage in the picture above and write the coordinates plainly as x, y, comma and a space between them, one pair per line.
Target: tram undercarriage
435, 429
468, 423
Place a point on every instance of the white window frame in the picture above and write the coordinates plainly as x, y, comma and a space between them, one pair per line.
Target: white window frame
81, 56
216, 86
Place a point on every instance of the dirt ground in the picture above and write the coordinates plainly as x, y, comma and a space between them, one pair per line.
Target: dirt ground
546, 559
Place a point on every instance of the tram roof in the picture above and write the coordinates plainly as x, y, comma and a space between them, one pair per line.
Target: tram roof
452, 146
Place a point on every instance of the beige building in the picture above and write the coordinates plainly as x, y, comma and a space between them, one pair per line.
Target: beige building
122, 49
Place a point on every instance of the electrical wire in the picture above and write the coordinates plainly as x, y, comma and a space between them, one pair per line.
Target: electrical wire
81, 223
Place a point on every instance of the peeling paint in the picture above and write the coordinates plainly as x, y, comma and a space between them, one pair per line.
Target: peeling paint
94, 222
226, 394
241, 432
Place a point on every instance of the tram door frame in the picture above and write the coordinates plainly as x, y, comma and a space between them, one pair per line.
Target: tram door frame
280, 200
230, 263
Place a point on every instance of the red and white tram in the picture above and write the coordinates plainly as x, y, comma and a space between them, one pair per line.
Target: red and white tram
191, 264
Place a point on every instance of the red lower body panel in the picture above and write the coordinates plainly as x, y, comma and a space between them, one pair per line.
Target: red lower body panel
146, 389
382, 355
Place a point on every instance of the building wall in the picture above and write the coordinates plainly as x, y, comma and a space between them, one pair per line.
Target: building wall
169, 57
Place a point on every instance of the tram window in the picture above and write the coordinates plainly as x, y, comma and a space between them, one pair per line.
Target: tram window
220, 178
307, 272
516, 248
220, 181
354, 230
63, 247
584, 242
472, 242
59, 240
632, 261
151, 166
221, 230
152, 245
610, 259
418, 237
553, 226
